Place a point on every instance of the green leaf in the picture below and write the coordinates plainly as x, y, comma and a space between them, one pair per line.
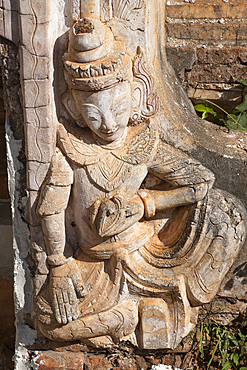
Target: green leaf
243, 106
244, 82
200, 345
243, 368
210, 110
205, 110
243, 121
234, 339
235, 358
232, 122
227, 366
242, 351
232, 117
212, 357
241, 335
200, 108
236, 121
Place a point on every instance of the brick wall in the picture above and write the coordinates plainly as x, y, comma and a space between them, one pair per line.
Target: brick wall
207, 46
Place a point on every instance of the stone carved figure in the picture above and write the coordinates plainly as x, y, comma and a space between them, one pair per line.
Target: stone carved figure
153, 240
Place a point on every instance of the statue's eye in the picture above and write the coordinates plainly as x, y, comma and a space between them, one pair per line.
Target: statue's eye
94, 118
119, 108
91, 113
120, 112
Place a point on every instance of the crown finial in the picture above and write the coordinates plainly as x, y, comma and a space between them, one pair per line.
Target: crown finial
90, 8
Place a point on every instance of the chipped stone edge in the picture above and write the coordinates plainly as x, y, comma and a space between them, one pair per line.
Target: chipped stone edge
22, 279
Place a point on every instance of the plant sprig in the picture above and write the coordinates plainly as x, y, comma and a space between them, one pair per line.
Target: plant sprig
237, 121
227, 344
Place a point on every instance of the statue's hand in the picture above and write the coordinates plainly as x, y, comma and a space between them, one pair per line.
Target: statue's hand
112, 216
66, 284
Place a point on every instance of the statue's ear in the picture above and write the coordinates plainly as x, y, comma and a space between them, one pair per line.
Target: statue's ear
70, 105
145, 101
137, 101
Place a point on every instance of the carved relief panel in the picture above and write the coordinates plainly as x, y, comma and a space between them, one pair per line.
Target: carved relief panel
135, 237
128, 235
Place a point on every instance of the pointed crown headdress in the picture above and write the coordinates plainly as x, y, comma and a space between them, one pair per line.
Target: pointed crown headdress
95, 60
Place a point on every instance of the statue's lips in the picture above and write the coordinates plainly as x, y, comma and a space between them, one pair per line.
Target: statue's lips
110, 133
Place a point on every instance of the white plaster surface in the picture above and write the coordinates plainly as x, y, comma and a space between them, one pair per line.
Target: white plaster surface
22, 279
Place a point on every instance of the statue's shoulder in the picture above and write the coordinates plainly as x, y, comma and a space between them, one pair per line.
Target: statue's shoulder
76, 144
141, 143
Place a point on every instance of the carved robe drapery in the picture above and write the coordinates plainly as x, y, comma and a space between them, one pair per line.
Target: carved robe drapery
185, 249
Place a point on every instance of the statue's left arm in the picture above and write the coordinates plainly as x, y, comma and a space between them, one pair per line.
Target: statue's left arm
190, 180
65, 278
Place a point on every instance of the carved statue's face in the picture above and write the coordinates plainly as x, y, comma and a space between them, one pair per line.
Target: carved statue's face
106, 112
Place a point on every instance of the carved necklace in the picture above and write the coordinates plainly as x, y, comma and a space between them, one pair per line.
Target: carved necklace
108, 166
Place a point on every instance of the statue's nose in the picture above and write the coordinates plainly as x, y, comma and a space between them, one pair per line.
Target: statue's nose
108, 124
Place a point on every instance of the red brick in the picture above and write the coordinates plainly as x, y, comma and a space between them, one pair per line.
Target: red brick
207, 11
168, 360
226, 55
126, 364
228, 31
51, 360
209, 73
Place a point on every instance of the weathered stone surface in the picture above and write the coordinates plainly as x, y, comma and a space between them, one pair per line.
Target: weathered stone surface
128, 237
60, 361
133, 276
208, 33
33, 67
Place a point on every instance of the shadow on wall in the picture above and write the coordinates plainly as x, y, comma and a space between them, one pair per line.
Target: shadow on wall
240, 274
7, 329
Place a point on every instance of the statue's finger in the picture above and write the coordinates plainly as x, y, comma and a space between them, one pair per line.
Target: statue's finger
73, 305
56, 308
80, 290
74, 311
61, 306
67, 306
77, 281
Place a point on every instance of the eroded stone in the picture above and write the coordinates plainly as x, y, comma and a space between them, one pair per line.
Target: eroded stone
143, 259
128, 237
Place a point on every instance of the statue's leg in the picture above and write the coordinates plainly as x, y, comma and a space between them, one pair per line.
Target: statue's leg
164, 322
117, 323
227, 229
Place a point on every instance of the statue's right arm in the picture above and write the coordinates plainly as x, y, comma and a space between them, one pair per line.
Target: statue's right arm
65, 277
53, 201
